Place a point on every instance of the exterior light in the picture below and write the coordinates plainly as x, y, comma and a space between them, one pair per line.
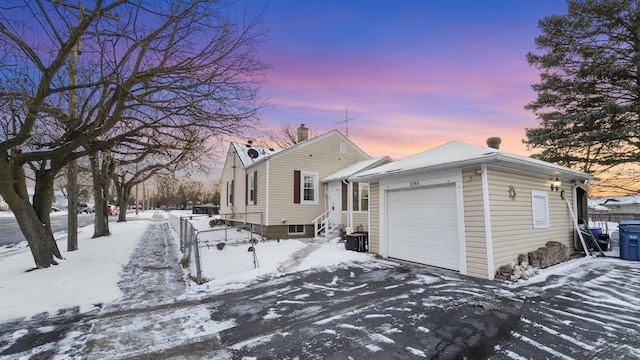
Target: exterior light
555, 184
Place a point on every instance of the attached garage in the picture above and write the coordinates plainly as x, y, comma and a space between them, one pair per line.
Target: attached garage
422, 225
470, 209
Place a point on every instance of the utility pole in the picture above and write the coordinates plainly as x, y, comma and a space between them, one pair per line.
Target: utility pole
137, 191
72, 167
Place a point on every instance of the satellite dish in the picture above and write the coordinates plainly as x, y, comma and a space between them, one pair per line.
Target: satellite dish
253, 153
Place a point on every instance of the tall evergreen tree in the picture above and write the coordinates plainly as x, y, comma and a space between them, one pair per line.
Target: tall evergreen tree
588, 97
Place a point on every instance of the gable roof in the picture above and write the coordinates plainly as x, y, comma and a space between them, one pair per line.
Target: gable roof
456, 154
356, 168
246, 151
271, 153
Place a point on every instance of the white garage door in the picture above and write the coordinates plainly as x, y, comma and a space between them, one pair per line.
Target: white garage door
422, 225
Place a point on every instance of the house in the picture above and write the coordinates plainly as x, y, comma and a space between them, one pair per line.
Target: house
471, 208
301, 191
620, 204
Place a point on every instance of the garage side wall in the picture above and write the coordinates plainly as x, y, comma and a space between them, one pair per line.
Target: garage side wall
512, 227
374, 215
474, 223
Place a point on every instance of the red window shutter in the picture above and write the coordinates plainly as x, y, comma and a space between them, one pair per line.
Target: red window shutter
356, 199
345, 193
255, 187
296, 186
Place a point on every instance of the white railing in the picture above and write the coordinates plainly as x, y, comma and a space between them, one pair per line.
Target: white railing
323, 222
320, 223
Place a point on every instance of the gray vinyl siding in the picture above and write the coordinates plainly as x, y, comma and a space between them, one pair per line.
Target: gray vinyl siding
474, 224
512, 220
374, 214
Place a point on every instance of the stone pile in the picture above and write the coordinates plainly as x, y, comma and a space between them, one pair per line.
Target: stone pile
527, 266
551, 254
514, 272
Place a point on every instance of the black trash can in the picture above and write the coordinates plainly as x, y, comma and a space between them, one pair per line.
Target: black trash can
357, 242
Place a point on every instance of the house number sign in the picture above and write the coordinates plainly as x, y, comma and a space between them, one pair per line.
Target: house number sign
414, 183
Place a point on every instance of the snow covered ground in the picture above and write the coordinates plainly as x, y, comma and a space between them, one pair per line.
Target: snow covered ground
90, 275
349, 305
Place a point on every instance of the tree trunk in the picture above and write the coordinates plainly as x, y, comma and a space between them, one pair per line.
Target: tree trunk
99, 174
36, 231
124, 192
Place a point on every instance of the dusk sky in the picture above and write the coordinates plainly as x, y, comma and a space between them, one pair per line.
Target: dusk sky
413, 74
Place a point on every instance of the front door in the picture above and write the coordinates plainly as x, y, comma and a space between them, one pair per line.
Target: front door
335, 204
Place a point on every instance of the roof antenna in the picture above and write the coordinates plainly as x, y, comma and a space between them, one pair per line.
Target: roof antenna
346, 121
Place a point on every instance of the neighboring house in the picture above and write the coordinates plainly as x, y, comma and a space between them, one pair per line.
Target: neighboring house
619, 204
296, 192
470, 208
614, 209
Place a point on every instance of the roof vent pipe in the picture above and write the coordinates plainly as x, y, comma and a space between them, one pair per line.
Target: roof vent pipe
303, 133
494, 142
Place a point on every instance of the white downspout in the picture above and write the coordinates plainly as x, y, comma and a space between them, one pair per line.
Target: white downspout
266, 201
350, 206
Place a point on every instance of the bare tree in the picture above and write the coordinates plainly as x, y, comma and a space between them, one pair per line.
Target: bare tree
162, 66
285, 137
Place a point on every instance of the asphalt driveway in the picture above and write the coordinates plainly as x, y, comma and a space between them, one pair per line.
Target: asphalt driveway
372, 310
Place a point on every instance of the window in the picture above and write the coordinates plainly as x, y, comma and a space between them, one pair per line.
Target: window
251, 188
343, 148
364, 196
230, 193
360, 196
305, 187
296, 229
540, 204
309, 188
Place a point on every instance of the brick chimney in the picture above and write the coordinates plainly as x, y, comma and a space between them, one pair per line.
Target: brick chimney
303, 133
494, 142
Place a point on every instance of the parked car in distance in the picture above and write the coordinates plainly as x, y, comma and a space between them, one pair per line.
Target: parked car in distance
84, 208
55, 209
113, 209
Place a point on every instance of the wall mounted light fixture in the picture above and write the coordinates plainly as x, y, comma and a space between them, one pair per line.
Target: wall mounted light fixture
555, 184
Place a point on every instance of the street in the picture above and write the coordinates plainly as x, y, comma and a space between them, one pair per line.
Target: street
10, 232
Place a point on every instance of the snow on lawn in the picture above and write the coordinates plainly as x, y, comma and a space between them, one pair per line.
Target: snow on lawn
233, 265
90, 275
84, 278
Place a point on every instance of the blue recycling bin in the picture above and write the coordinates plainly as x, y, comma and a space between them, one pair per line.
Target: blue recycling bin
596, 232
629, 240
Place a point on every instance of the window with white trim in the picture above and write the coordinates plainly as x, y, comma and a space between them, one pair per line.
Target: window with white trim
540, 207
251, 188
309, 188
230, 192
363, 196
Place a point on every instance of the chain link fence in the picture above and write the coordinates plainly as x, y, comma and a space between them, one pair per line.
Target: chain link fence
213, 249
